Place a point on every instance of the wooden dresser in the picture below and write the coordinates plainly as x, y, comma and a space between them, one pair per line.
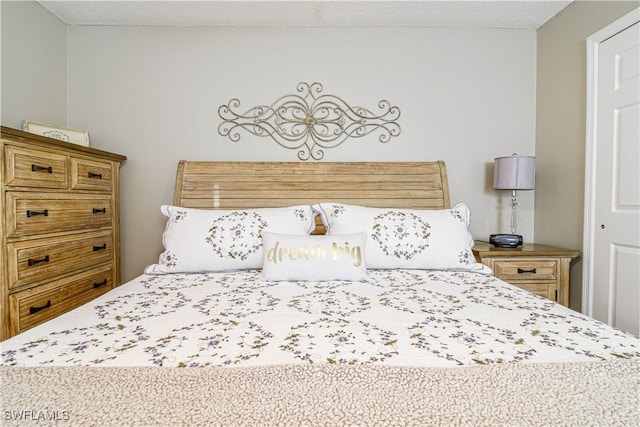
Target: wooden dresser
59, 228
540, 269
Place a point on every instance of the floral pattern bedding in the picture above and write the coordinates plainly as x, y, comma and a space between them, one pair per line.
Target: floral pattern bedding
395, 317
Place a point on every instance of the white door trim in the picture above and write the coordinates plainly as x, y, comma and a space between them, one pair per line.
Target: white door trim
593, 46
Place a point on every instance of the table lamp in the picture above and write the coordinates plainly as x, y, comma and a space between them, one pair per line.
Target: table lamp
512, 173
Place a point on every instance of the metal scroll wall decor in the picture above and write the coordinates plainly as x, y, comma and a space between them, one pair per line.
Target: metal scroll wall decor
309, 121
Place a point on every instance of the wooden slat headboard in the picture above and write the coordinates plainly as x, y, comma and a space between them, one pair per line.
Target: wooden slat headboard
244, 185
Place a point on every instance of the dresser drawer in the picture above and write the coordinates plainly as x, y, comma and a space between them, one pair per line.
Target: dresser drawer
33, 306
31, 214
546, 290
59, 227
90, 175
36, 260
529, 270
33, 168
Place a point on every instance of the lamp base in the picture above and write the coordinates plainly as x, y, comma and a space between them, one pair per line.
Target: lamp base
505, 240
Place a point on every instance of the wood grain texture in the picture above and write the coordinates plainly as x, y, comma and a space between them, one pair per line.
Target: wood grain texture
32, 261
91, 175
31, 213
4, 290
37, 141
541, 269
246, 185
33, 306
60, 227
241, 185
35, 168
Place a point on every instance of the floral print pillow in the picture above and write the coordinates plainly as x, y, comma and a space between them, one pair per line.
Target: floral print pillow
406, 238
202, 240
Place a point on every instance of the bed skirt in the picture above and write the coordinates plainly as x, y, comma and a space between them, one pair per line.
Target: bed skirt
587, 393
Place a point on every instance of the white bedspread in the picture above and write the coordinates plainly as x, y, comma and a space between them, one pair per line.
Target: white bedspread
397, 317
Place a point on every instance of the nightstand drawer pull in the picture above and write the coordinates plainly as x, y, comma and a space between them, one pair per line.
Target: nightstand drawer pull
99, 284
33, 310
100, 248
34, 213
36, 168
96, 210
33, 262
95, 175
521, 271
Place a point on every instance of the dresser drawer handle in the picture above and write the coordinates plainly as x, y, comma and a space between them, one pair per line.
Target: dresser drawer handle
100, 248
33, 310
36, 168
102, 210
521, 271
34, 213
33, 262
99, 284
95, 175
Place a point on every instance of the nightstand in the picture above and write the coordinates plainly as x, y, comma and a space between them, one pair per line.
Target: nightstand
540, 269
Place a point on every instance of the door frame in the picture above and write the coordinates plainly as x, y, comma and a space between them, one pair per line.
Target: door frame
593, 47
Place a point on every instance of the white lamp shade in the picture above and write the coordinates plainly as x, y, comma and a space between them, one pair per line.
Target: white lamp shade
514, 173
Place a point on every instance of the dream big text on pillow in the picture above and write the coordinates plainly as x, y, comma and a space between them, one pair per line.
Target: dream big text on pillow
278, 254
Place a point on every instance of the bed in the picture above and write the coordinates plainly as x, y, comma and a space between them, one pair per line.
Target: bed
319, 294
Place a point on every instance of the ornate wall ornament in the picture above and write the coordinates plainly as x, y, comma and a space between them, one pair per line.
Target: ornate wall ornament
309, 121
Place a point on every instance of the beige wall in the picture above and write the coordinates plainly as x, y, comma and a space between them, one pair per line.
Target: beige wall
34, 65
465, 95
152, 94
561, 124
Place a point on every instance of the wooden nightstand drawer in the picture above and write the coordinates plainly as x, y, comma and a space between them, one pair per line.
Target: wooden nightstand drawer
546, 290
36, 305
540, 269
90, 175
526, 270
37, 213
32, 261
34, 168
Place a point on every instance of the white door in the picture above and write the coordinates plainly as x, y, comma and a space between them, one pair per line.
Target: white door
614, 294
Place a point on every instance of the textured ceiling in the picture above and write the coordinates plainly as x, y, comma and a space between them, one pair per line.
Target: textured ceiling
521, 14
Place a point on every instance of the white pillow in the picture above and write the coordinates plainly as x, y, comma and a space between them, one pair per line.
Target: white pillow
407, 238
201, 240
314, 258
